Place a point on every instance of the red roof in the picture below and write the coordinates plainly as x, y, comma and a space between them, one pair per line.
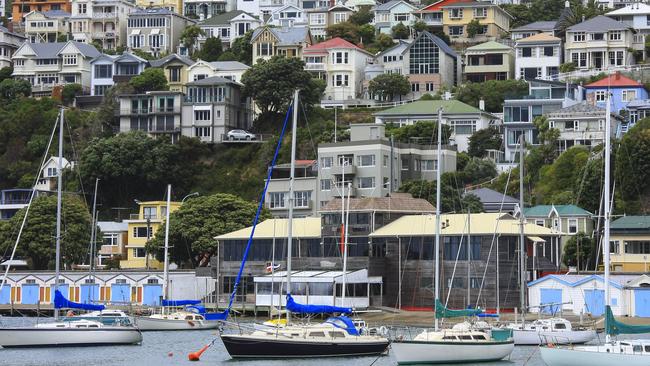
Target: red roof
337, 42
615, 81
437, 6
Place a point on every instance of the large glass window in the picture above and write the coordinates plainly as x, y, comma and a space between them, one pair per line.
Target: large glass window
424, 57
103, 71
637, 247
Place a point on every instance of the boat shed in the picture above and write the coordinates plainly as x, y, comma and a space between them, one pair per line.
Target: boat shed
576, 294
319, 288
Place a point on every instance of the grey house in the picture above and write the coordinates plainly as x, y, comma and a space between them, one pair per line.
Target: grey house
156, 30
494, 201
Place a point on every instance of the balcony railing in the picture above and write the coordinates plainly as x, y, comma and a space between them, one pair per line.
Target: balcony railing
144, 217
104, 35
347, 169
105, 15
315, 66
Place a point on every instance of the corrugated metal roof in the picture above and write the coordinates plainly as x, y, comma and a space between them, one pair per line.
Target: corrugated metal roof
112, 226
308, 227
398, 202
539, 37
160, 62
600, 23
544, 25
456, 224
421, 107
631, 222
286, 36
229, 65
562, 210
487, 195
490, 46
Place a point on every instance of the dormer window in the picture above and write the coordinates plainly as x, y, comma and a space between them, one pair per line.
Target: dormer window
69, 59
615, 36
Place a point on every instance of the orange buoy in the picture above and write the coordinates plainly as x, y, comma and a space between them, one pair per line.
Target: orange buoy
196, 356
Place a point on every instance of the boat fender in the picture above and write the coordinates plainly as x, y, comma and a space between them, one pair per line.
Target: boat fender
191, 323
550, 345
383, 330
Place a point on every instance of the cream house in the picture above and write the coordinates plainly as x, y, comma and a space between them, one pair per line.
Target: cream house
268, 42
9, 43
156, 30
232, 70
47, 26
175, 67
103, 21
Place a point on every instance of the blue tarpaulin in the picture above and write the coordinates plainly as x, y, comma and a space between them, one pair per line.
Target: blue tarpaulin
343, 322
216, 316
60, 302
314, 309
180, 302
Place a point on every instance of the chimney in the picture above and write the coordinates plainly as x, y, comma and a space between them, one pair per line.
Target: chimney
481, 104
201, 17
617, 75
567, 4
583, 18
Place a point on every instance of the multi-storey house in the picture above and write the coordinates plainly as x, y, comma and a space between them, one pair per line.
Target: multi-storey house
228, 26
290, 42
102, 21
538, 57
206, 9
106, 70
48, 26
156, 113
341, 64
548, 27
390, 14
231, 70
622, 89
20, 8
9, 43
156, 30
288, 16
175, 67
489, 61
495, 22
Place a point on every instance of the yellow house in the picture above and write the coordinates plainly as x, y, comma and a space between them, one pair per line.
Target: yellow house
173, 5
630, 244
142, 227
175, 68
494, 21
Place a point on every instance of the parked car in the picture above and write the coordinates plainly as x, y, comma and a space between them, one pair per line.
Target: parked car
240, 135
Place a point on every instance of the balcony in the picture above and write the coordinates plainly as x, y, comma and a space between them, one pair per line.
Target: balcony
347, 169
144, 217
99, 15
315, 67
104, 35
122, 78
343, 190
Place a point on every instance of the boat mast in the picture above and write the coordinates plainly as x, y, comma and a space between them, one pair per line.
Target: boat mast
469, 257
522, 222
438, 187
59, 196
166, 264
607, 204
345, 243
93, 232
294, 131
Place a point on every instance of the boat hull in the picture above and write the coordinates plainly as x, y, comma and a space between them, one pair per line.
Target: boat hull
426, 352
250, 347
535, 337
153, 324
70, 337
556, 356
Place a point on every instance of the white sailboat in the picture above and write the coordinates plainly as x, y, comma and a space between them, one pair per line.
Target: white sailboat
612, 352
450, 345
539, 331
177, 319
337, 336
66, 333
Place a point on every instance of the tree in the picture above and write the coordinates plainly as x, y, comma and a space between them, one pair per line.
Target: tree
145, 55
105, 115
389, 86
211, 50
557, 181
493, 92
572, 253
474, 27
382, 42
37, 241
69, 92
400, 31
5, 73
452, 199
362, 16
420, 26
11, 89
483, 140
63, 37
195, 224
150, 79
345, 30
477, 171
367, 34
242, 48
189, 37
271, 83
567, 67
633, 163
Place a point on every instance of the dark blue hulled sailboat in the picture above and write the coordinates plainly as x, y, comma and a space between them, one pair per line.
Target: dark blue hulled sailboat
337, 336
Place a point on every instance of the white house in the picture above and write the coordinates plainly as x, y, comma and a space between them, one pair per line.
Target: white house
48, 176
538, 57
206, 9
9, 43
228, 26
232, 70
288, 16
288, 41
109, 69
47, 64
46, 26
103, 21
341, 64
392, 13
156, 30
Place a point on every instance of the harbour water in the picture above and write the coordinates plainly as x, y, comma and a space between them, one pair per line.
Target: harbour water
172, 348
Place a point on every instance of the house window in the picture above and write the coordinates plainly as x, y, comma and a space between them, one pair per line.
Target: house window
156, 40
539, 222
202, 115
428, 165
601, 125
366, 160
456, 13
340, 80
19, 62
463, 127
456, 30
430, 87
139, 253
101, 89
616, 58
615, 35
276, 200
202, 131
576, 125
141, 232
549, 51
136, 41
340, 17
579, 37
579, 59
480, 12
81, 8
149, 212
405, 164
340, 58
301, 199
325, 185
455, 282
317, 19
597, 36
415, 87
326, 162
600, 95
69, 59
637, 247
366, 182
103, 71
573, 226
175, 74
629, 95
265, 49
613, 246
527, 52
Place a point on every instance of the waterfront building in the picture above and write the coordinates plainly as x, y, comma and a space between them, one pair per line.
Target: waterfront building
175, 67
106, 70
567, 219
9, 43
268, 42
47, 26
156, 30
630, 244
305, 185
493, 19
538, 57
114, 240
489, 61
142, 227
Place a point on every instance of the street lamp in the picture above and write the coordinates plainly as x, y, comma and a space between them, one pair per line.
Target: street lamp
195, 194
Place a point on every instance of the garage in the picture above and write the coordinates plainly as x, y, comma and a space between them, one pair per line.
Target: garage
152, 294
642, 302
550, 296
5, 294
120, 293
89, 293
30, 293
595, 302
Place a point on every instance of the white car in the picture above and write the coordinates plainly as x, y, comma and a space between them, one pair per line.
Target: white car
240, 135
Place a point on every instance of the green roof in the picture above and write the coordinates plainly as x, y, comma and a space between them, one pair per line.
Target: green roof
631, 223
562, 210
223, 18
430, 107
489, 46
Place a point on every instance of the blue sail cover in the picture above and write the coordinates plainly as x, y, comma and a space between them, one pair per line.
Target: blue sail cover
60, 302
343, 322
180, 302
293, 306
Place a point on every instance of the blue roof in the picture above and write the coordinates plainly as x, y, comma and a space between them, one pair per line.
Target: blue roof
575, 280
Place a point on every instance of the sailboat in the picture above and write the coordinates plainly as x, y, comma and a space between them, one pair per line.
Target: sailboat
66, 333
539, 331
612, 352
337, 336
450, 345
176, 319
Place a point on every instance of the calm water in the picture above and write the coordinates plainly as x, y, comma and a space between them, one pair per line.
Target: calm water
157, 347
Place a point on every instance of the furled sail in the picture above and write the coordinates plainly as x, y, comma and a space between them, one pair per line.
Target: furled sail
614, 327
443, 312
60, 302
293, 306
180, 302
